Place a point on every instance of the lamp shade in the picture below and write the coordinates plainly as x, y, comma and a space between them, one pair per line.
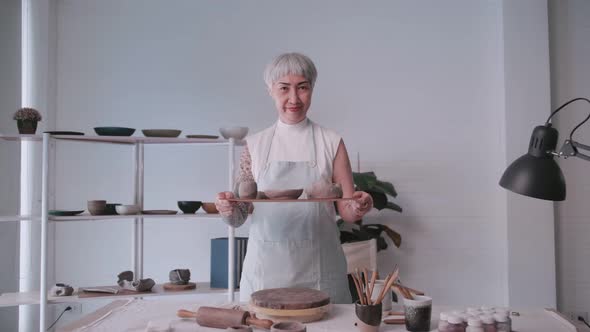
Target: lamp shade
536, 174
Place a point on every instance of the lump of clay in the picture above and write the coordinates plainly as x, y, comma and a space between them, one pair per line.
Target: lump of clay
179, 276
141, 285
247, 189
61, 290
324, 189
124, 276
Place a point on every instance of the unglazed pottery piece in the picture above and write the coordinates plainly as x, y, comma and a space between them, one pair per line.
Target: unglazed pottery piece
127, 209
324, 189
237, 133
288, 327
247, 190
283, 194
210, 207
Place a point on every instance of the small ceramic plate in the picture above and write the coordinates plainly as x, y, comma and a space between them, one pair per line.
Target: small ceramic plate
203, 136
283, 194
58, 132
64, 213
161, 132
159, 212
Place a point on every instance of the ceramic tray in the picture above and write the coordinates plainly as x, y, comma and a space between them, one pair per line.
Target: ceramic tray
202, 136
161, 132
62, 132
159, 212
290, 200
114, 131
64, 213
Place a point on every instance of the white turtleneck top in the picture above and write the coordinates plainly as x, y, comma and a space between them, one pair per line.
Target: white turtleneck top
290, 143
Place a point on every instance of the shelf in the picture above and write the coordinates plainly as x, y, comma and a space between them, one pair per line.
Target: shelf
88, 217
145, 140
21, 137
18, 218
15, 299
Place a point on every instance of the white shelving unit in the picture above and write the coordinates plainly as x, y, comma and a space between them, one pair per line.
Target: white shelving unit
138, 143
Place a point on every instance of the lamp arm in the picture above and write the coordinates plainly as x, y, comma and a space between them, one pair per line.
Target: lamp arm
570, 149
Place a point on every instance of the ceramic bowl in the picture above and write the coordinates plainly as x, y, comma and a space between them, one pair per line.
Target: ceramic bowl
114, 131
97, 207
237, 133
209, 207
287, 326
127, 209
189, 207
161, 132
283, 194
111, 208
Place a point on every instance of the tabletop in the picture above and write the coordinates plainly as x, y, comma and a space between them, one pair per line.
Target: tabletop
137, 314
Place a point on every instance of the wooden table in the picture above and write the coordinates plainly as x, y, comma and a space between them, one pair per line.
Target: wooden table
134, 315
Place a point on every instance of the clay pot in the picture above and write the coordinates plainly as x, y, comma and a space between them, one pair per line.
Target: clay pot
248, 190
97, 207
368, 316
26, 127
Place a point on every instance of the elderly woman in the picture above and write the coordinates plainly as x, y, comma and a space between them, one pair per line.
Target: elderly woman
294, 244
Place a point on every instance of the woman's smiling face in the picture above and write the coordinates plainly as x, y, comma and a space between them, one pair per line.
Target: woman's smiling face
292, 97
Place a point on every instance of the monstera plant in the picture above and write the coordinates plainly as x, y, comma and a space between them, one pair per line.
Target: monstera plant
380, 191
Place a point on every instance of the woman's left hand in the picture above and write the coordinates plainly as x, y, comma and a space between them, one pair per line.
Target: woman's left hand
361, 204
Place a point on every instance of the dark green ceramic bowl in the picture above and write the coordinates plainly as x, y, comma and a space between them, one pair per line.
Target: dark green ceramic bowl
114, 131
189, 207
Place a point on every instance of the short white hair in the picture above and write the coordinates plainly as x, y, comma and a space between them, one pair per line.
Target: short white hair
290, 63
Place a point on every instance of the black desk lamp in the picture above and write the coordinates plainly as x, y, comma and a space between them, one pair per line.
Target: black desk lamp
536, 174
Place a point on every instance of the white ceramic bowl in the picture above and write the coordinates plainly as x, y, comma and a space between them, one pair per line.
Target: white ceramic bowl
127, 209
237, 133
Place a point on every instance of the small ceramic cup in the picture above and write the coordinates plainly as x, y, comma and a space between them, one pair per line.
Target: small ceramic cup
417, 313
239, 328
97, 207
386, 304
368, 316
287, 326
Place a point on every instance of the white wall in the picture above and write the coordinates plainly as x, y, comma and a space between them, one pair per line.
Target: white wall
415, 87
10, 84
570, 71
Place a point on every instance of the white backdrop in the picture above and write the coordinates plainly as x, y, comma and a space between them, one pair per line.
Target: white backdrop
415, 87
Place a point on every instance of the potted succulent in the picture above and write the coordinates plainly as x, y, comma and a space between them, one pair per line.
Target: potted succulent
26, 119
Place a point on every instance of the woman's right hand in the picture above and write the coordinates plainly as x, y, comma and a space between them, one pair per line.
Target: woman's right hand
225, 207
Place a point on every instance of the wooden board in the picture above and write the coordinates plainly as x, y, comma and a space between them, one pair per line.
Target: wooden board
302, 200
173, 287
289, 298
122, 291
297, 315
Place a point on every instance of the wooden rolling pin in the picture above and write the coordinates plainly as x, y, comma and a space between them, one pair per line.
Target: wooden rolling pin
224, 318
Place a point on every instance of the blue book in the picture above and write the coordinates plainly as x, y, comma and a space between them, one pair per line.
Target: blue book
219, 261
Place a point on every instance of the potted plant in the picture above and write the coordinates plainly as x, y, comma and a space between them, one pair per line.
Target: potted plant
26, 119
379, 191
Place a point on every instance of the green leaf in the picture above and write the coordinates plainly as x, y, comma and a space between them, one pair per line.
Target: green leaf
364, 181
393, 235
379, 200
386, 188
393, 206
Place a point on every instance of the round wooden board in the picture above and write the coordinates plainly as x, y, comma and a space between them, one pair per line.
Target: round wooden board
172, 287
289, 298
298, 315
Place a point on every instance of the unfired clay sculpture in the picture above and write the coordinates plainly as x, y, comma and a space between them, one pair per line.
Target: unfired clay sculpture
324, 189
